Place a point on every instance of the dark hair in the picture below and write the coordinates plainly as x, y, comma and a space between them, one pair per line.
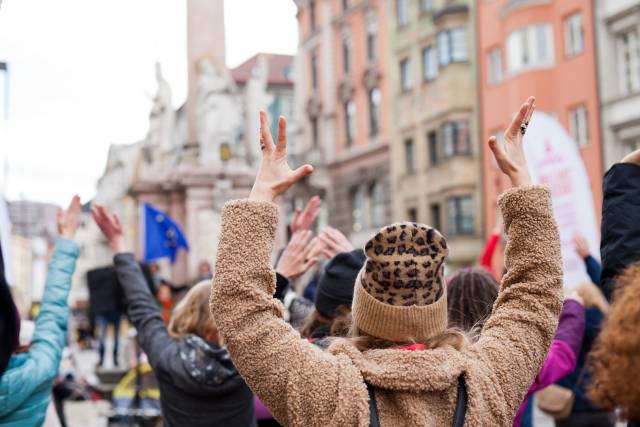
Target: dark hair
317, 325
470, 297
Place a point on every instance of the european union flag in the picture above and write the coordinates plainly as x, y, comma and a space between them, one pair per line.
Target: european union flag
162, 236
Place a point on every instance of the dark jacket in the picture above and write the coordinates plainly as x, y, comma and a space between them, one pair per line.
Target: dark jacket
620, 246
199, 386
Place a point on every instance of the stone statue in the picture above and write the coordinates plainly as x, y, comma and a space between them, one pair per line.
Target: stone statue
219, 115
257, 98
161, 118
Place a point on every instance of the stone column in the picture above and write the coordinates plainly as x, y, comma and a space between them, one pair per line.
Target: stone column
205, 38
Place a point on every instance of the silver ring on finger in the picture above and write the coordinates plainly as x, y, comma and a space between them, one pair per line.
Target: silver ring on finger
523, 128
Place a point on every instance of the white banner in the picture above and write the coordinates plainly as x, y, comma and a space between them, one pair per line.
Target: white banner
553, 159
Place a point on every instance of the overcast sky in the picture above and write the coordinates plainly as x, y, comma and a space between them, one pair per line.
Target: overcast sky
82, 78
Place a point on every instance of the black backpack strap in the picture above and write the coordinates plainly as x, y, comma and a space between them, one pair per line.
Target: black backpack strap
461, 406
374, 420
458, 417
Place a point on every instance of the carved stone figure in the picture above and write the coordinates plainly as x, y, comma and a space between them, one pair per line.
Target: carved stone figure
219, 114
161, 118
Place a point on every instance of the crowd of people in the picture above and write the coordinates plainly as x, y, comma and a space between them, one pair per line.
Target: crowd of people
379, 335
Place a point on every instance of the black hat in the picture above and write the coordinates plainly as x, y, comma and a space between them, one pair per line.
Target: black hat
337, 281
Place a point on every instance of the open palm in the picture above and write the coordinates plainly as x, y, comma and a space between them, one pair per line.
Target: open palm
275, 176
510, 158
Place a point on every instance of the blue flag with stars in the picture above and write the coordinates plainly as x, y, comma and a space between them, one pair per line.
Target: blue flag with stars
163, 238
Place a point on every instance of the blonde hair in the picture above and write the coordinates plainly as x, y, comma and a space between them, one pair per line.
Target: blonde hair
451, 337
192, 314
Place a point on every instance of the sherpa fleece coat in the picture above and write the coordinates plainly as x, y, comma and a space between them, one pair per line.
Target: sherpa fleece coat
304, 386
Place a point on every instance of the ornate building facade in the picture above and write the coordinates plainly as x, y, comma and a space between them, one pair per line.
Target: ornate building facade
342, 96
435, 149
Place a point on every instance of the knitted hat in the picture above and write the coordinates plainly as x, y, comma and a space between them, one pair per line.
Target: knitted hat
335, 286
400, 294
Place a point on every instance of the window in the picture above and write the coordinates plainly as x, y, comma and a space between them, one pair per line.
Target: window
426, 5
357, 208
410, 158
312, 14
314, 69
579, 125
460, 215
530, 47
628, 45
436, 216
573, 36
402, 12
376, 197
429, 63
432, 141
494, 62
412, 215
456, 139
346, 54
405, 74
314, 132
375, 101
345, 4
350, 121
452, 45
372, 38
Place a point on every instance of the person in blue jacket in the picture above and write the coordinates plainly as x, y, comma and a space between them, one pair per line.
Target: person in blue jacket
25, 385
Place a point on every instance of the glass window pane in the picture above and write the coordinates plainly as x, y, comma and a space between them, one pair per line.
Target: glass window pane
458, 44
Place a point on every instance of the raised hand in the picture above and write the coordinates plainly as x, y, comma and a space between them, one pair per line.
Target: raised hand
275, 176
110, 227
335, 242
582, 248
511, 158
68, 220
295, 260
304, 219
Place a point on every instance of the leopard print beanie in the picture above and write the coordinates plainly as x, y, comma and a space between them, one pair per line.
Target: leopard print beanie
400, 294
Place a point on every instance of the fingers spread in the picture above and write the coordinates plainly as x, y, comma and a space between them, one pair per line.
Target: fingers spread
266, 140
495, 148
300, 173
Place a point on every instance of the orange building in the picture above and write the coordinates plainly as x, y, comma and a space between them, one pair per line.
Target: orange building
342, 98
542, 48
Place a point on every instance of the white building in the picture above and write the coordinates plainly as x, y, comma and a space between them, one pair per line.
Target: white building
618, 34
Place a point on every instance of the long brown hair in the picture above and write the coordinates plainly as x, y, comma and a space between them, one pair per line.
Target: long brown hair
192, 314
613, 361
337, 326
470, 297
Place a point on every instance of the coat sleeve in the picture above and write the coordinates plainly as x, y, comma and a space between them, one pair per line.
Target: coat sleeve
515, 340
43, 359
299, 383
142, 308
594, 270
620, 245
565, 348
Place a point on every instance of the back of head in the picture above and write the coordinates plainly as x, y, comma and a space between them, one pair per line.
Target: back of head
471, 294
400, 295
614, 357
192, 315
332, 315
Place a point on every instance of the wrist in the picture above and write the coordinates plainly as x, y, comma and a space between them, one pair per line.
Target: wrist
261, 194
521, 179
67, 235
117, 245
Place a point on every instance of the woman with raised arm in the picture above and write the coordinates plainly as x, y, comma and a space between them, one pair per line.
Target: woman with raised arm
401, 365
25, 386
199, 386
